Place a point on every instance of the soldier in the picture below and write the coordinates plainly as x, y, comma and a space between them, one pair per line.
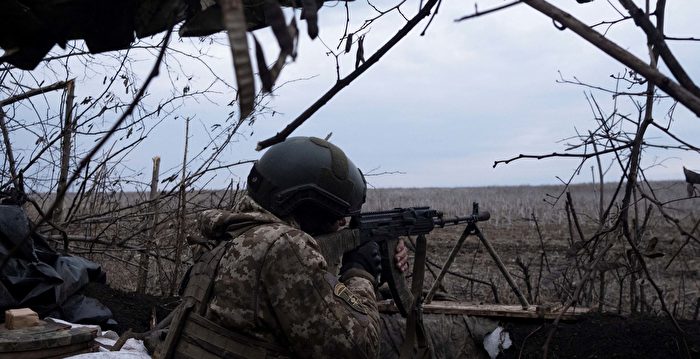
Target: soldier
262, 288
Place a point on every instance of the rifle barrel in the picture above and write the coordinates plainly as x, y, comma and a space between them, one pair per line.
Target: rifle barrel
479, 217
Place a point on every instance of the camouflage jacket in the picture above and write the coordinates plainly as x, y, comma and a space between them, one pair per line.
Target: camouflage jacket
272, 283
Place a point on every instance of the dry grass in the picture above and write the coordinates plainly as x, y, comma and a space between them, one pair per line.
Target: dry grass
120, 221
553, 268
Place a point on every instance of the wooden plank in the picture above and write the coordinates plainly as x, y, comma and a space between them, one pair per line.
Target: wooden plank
43, 327
57, 352
490, 310
49, 335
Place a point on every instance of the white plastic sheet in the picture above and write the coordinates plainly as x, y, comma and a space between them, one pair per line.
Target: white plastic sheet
132, 349
496, 342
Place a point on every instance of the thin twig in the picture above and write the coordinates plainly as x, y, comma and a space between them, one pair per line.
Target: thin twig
34, 92
478, 13
573, 299
339, 85
669, 86
59, 196
558, 154
657, 39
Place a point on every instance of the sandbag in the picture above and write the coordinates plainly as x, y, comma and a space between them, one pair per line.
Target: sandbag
449, 336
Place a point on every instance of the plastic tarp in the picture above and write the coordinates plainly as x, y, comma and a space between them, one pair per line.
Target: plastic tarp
132, 348
449, 336
34, 275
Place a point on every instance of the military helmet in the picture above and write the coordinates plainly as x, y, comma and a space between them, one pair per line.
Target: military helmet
303, 171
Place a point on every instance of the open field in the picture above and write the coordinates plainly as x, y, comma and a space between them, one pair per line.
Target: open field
545, 247
546, 264
533, 237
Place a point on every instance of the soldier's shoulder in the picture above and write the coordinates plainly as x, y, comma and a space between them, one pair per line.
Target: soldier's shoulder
276, 230
284, 240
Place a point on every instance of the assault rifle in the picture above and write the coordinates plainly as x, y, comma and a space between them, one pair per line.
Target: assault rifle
385, 227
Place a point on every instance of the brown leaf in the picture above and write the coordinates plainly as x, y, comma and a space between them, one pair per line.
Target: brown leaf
653, 255
263, 72
360, 55
294, 32
279, 64
575, 248
310, 14
348, 43
275, 18
652, 244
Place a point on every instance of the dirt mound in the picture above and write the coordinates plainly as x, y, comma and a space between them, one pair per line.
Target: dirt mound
593, 336
131, 310
605, 336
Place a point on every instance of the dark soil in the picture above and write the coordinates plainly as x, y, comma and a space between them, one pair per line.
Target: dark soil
131, 310
592, 336
605, 336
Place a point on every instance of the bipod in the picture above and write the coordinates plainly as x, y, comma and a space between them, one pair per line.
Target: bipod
472, 229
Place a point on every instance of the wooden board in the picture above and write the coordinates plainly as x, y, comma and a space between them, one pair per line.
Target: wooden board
52, 353
490, 310
44, 336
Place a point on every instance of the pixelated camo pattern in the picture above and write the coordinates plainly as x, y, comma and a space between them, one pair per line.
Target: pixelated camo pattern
273, 284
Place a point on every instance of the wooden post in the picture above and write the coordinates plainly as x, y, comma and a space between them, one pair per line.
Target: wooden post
181, 213
601, 292
154, 242
16, 178
144, 260
65, 156
621, 285
643, 307
633, 283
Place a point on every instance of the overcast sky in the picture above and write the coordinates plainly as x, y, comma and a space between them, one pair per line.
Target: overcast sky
441, 108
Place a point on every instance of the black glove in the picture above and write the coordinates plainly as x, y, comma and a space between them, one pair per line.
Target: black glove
365, 257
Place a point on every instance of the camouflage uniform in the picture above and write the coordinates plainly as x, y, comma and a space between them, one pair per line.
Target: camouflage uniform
272, 284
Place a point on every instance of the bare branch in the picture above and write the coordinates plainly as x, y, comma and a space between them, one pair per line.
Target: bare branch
676, 91
557, 154
341, 84
34, 92
657, 39
49, 213
478, 13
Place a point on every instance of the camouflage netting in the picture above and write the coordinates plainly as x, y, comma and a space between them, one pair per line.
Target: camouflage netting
30, 28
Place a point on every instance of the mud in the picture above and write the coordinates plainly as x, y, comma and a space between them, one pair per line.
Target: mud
131, 310
593, 336
606, 336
